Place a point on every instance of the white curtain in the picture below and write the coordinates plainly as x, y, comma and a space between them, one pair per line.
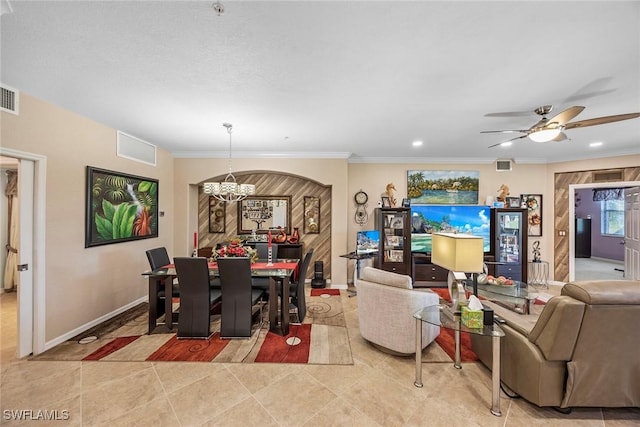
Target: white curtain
11, 267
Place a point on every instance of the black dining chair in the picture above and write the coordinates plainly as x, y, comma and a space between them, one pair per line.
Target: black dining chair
238, 297
158, 258
297, 291
197, 298
262, 249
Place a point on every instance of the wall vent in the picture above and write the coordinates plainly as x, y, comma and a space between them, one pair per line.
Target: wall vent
608, 175
9, 99
503, 165
133, 148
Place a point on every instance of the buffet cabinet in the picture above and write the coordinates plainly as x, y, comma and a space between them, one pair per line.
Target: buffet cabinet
394, 253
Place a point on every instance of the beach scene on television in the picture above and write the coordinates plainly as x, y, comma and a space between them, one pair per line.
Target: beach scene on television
443, 187
429, 219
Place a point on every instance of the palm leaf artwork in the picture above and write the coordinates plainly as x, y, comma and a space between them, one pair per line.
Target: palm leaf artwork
122, 207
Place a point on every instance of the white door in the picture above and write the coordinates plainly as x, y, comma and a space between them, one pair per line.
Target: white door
25, 258
632, 233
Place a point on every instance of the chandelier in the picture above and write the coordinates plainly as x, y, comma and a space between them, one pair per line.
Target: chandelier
229, 190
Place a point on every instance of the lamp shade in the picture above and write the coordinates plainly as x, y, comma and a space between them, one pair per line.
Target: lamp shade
458, 252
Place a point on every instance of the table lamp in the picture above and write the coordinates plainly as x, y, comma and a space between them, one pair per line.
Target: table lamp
460, 254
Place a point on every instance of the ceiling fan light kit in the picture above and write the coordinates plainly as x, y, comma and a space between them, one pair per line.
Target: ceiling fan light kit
545, 135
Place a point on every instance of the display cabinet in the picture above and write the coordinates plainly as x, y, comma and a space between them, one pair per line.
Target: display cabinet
509, 229
395, 240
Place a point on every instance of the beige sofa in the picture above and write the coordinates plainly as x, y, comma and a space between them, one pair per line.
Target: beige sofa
583, 350
386, 305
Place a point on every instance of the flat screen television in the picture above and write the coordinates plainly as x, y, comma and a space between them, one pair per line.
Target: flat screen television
367, 242
429, 219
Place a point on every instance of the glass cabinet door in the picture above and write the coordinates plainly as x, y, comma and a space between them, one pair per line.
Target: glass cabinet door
393, 236
509, 237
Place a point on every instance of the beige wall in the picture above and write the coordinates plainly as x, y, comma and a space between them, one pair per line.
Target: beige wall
83, 284
191, 172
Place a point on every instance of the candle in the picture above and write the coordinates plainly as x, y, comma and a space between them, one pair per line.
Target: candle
195, 240
269, 239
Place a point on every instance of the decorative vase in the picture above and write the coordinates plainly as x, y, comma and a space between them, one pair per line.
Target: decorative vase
281, 237
295, 236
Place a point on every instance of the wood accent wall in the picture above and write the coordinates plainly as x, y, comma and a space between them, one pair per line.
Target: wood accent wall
270, 183
561, 210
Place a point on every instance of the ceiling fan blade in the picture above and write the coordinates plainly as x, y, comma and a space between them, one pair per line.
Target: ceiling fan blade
566, 115
590, 90
601, 120
509, 140
505, 131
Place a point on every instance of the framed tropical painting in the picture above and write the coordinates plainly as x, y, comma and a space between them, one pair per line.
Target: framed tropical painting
119, 207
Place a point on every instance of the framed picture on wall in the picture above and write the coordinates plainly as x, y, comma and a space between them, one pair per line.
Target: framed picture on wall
119, 207
513, 202
533, 202
311, 215
217, 215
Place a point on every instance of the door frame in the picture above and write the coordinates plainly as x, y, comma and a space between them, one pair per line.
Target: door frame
572, 214
32, 340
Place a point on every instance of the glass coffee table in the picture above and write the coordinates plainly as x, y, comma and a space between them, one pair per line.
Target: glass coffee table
515, 297
439, 315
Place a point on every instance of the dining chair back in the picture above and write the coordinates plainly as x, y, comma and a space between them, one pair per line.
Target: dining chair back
297, 287
262, 249
158, 257
238, 297
196, 297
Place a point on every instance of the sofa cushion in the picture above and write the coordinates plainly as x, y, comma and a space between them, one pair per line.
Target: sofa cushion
388, 278
604, 292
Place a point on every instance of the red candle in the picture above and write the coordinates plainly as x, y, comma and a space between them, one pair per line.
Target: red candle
269, 239
195, 240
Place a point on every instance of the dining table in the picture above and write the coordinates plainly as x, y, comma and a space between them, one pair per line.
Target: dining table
279, 271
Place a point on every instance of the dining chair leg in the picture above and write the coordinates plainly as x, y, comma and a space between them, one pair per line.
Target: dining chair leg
168, 302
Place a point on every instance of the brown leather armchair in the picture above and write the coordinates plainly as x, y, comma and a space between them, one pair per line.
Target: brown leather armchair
584, 350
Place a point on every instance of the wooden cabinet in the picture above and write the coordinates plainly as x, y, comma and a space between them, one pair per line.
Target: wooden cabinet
427, 274
395, 240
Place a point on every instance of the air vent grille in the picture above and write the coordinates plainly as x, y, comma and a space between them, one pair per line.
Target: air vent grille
9, 99
503, 165
133, 148
608, 175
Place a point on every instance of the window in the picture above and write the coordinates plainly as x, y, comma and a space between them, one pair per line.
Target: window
612, 212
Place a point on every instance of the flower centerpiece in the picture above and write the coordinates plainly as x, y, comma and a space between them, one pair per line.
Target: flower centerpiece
235, 248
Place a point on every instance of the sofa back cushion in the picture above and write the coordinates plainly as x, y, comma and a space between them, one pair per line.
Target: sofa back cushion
388, 278
604, 292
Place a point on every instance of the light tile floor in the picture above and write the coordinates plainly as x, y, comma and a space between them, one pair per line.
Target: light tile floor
376, 391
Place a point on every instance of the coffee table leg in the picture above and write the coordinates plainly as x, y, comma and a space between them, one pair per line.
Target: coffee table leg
456, 362
418, 381
495, 377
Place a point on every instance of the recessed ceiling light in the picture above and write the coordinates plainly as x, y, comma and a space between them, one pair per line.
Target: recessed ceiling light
417, 143
595, 144
506, 144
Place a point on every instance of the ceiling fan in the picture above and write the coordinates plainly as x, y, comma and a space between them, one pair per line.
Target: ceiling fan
552, 129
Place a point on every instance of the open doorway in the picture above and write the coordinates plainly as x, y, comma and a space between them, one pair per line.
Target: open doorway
30, 263
599, 255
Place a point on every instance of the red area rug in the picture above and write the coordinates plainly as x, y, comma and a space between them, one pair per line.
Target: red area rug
275, 349
184, 350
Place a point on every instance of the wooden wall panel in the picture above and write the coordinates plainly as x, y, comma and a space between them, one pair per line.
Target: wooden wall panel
276, 184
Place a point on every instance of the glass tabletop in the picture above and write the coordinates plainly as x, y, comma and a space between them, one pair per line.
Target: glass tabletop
281, 268
513, 294
439, 316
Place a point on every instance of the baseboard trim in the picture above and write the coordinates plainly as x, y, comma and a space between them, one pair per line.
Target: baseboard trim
65, 337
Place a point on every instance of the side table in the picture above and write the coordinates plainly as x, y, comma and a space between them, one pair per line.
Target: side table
357, 258
538, 274
435, 315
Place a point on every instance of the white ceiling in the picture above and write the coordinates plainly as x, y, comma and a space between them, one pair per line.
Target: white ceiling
324, 79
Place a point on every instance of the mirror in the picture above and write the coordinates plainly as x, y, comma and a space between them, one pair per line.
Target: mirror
261, 213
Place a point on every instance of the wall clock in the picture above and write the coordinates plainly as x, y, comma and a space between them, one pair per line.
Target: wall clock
361, 216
